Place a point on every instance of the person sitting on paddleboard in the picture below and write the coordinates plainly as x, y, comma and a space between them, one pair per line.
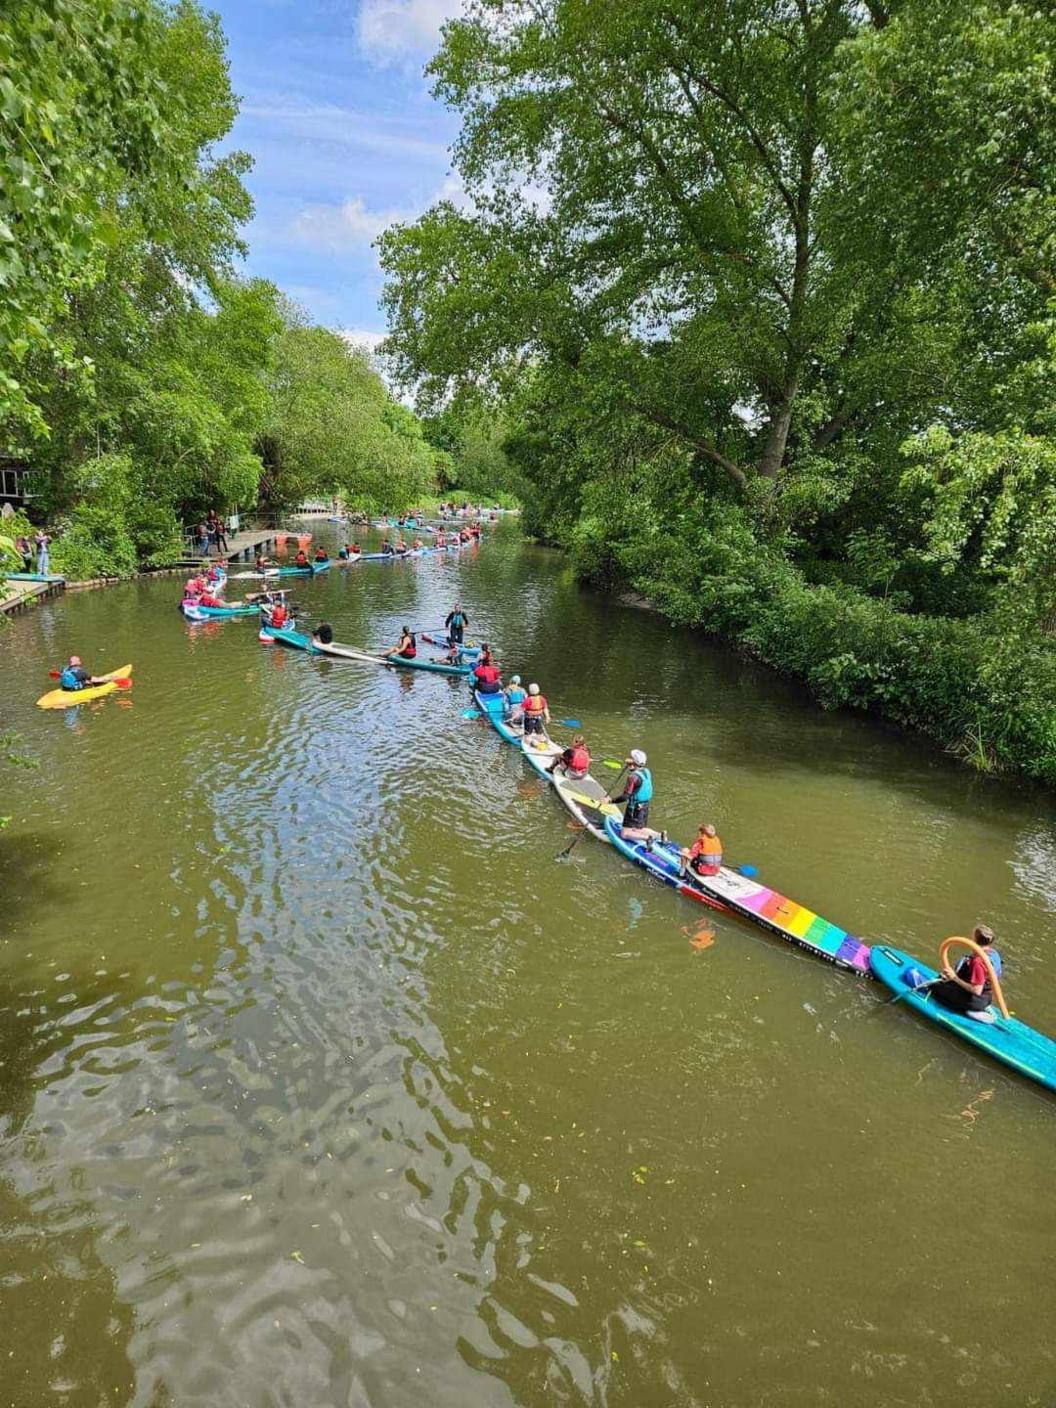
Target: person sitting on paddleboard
536, 712
323, 633
417, 545
408, 646
263, 562
75, 676
321, 555
704, 857
216, 571
456, 624
486, 676
574, 762
280, 616
301, 560
440, 539
387, 548
401, 547
637, 794
973, 1001
515, 697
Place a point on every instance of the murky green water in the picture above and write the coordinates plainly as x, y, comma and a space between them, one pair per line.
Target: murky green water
322, 1084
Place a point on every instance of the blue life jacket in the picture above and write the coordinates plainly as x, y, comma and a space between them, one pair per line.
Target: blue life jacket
69, 679
515, 695
645, 791
457, 621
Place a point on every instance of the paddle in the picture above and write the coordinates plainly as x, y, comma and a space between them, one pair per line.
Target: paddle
563, 855
907, 990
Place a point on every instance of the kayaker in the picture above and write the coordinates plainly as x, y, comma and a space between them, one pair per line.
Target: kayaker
974, 999
456, 623
635, 798
386, 547
515, 697
417, 545
440, 540
536, 712
321, 555
280, 616
207, 598
704, 857
323, 633
194, 587
301, 560
408, 646
75, 676
574, 762
486, 675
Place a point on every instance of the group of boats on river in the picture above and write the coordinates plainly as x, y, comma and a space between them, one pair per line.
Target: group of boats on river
963, 995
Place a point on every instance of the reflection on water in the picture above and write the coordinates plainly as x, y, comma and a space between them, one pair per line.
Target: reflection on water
322, 1083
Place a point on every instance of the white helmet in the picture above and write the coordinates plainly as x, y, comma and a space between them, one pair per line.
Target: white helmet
515, 679
533, 689
638, 758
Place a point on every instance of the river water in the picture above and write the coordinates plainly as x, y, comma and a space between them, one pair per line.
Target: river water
322, 1083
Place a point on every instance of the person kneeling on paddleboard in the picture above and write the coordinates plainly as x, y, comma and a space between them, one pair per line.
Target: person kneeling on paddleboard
536, 711
279, 615
486, 676
408, 646
515, 697
637, 794
574, 762
301, 560
974, 1000
323, 633
75, 676
704, 857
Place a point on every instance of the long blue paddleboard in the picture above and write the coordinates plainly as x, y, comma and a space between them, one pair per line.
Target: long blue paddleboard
1027, 1051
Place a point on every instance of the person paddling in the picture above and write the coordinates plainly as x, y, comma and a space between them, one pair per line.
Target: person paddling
536, 712
301, 560
321, 555
635, 798
262, 563
974, 998
456, 624
386, 547
704, 857
574, 762
280, 616
401, 547
74, 676
407, 648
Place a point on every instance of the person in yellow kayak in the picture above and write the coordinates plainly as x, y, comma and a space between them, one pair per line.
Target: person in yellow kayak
75, 676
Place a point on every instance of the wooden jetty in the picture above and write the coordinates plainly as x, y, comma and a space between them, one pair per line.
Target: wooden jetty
17, 596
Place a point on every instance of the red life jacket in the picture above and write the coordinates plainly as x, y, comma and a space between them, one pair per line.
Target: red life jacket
580, 759
488, 674
278, 615
535, 704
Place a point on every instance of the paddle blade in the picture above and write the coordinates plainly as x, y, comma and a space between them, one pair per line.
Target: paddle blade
471, 713
571, 723
125, 683
747, 871
612, 763
54, 674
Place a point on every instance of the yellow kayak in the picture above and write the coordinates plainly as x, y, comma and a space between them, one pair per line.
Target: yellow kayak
63, 698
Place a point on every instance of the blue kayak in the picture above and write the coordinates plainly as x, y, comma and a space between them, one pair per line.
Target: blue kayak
493, 707
312, 570
210, 613
1027, 1051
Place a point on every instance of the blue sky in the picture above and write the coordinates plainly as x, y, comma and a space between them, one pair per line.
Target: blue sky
337, 115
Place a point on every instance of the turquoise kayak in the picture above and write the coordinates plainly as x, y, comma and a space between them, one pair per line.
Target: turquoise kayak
493, 707
299, 641
209, 613
1006, 1039
312, 570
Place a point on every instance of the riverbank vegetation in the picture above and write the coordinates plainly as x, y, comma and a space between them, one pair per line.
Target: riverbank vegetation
141, 378
763, 297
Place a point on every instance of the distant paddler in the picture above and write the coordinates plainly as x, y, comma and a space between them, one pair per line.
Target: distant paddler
301, 560
417, 545
456, 623
704, 857
515, 695
407, 648
349, 550
536, 712
386, 547
440, 540
970, 991
262, 563
401, 546
321, 554
323, 634
635, 798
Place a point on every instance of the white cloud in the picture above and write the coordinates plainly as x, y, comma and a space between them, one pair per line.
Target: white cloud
362, 337
394, 29
329, 122
339, 229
